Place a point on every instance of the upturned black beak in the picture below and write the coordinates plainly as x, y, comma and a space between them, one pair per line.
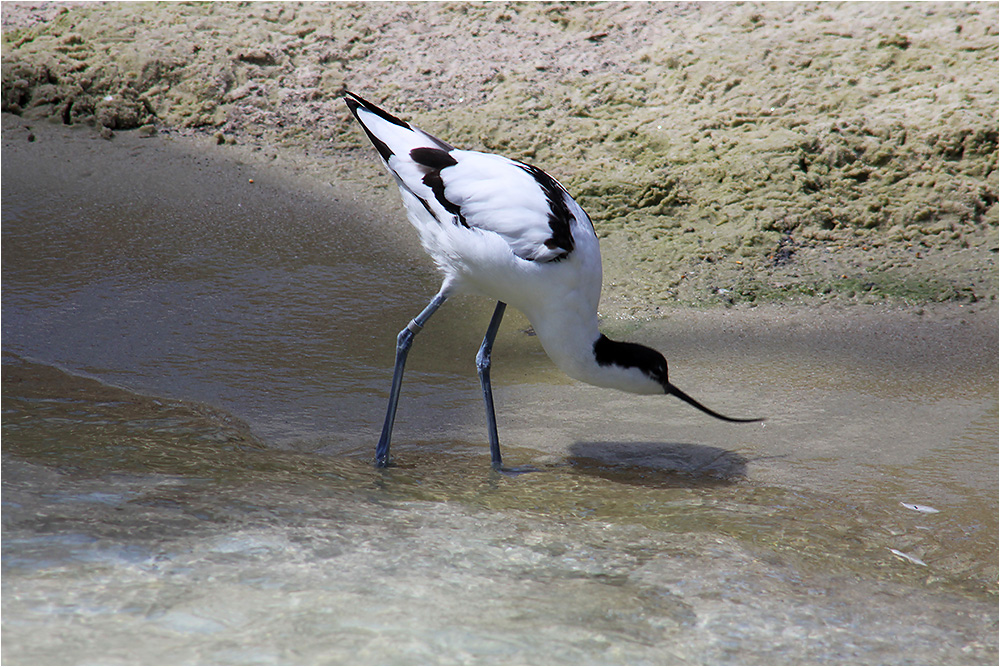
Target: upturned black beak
674, 391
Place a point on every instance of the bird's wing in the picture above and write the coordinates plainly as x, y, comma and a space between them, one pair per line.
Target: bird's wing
522, 204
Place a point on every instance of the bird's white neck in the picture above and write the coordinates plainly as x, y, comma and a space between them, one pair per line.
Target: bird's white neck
583, 353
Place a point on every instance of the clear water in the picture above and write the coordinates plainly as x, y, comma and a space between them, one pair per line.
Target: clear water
194, 375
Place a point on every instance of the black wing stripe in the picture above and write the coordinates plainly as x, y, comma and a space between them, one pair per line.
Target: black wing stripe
433, 180
560, 218
435, 159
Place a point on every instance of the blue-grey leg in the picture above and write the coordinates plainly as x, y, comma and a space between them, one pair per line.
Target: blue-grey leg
483, 366
403, 342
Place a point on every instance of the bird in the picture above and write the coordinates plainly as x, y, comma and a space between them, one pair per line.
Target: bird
506, 230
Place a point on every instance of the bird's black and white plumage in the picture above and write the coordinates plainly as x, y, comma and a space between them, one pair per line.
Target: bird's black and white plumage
509, 231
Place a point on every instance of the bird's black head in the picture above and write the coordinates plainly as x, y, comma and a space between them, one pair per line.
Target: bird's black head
631, 355
652, 364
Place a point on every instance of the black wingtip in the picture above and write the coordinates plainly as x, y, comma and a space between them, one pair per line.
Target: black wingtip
354, 102
674, 391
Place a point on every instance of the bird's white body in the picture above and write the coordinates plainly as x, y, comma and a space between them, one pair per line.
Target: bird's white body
508, 231
500, 251
559, 298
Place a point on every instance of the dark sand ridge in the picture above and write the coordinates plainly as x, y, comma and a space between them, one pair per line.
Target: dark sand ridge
728, 154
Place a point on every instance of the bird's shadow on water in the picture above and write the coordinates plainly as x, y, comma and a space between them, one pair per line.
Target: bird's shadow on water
658, 464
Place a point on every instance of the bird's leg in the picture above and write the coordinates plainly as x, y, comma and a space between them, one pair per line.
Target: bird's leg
483, 366
403, 342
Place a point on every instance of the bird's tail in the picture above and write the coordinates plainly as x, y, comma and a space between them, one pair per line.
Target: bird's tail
390, 135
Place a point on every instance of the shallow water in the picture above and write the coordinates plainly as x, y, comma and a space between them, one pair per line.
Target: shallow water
194, 376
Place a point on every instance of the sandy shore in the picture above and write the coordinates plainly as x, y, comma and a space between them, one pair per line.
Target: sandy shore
729, 154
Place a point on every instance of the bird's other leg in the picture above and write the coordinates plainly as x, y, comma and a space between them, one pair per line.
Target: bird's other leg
403, 342
483, 366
